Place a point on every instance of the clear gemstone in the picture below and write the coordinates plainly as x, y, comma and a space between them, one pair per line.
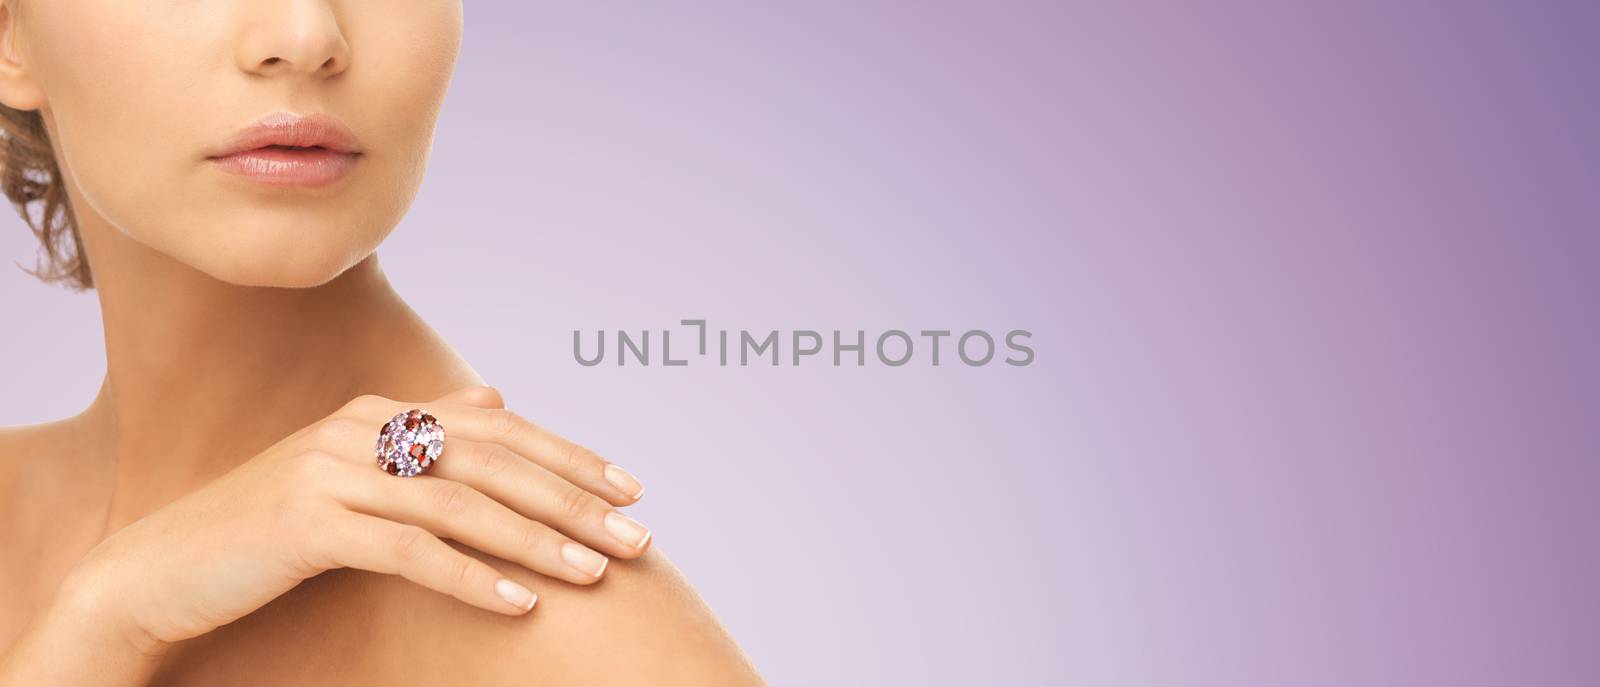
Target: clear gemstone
435, 448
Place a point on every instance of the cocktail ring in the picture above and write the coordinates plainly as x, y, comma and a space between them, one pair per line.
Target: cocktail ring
409, 443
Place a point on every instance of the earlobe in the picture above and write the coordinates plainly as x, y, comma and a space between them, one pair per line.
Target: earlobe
17, 88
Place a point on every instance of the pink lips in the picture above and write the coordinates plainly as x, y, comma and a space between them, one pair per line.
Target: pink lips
289, 149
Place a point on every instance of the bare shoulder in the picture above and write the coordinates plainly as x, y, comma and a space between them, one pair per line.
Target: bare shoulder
44, 465
17, 442
16, 602
38, 495
642, 624
14, 443
36, 473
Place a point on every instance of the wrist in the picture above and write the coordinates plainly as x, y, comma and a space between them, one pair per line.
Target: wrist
75, 641
88, 605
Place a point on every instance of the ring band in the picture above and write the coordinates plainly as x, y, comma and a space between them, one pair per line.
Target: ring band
409, 443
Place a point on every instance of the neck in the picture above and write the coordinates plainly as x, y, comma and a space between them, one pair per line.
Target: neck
202, 374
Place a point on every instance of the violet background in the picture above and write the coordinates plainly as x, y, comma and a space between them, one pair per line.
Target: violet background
1311, 288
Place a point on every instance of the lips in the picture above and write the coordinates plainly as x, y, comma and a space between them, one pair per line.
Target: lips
289, 149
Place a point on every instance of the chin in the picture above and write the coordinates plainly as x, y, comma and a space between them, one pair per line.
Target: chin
290, 267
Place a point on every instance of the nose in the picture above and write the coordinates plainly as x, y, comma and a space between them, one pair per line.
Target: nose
293, 37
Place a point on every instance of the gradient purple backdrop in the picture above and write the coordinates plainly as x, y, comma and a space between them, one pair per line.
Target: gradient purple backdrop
1311, 288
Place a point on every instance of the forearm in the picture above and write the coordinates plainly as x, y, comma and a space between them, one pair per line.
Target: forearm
77, 640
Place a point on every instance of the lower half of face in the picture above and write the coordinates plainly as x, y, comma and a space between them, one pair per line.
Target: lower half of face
147, 93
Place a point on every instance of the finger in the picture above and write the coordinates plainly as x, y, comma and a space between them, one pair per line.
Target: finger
572, 461
457, 511
534, 491
526, 487
480, 396
366, 542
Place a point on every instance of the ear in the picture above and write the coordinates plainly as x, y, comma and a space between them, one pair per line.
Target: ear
17, 87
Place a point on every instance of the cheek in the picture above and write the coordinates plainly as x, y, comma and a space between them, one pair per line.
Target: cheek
409, 63
126, 105
117, 102
126, 98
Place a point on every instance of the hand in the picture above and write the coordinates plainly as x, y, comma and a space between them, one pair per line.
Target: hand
316, 501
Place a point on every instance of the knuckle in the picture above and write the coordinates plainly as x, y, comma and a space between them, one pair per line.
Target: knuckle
461, 570
307, 552
580, 460
450, 497
306, 562
311, 467
365, 403
489, 396
335, 429
409, 543
533, 536
576, 503
502, 421
494, 459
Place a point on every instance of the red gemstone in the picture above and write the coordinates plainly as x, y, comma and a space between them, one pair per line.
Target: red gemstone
428, 418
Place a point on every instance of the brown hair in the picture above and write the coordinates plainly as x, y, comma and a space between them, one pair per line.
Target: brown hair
31, 180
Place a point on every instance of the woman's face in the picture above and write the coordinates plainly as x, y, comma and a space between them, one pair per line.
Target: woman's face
137, 95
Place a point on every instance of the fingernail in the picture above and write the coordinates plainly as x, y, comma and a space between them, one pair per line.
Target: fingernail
623, 481
584, 559
626, 529
515, 594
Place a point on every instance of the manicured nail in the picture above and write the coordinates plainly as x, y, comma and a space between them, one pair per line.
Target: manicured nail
584, 559
515, 594
624, 482
626, 529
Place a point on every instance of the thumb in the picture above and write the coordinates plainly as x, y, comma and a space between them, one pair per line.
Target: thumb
480, 396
